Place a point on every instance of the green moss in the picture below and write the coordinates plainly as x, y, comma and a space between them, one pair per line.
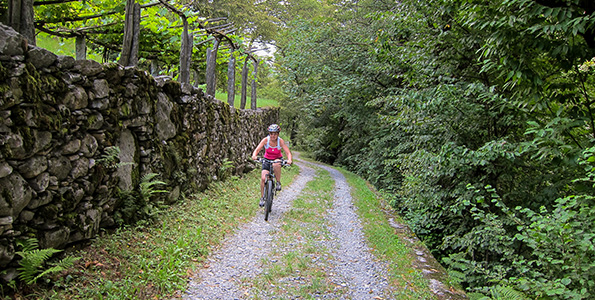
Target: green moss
46, 119
70, 219
4, 88
49, 210
125, 109
4, 73
30, 82
52, 84
28, 139
91, 120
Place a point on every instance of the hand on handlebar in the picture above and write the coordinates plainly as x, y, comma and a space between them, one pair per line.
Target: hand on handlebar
274, 161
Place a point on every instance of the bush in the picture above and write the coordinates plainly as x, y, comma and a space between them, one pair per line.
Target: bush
548, 253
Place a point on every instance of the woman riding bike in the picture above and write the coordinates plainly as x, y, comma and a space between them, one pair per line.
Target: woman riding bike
272, 145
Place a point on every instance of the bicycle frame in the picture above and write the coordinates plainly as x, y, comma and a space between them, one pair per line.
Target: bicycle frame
270, 184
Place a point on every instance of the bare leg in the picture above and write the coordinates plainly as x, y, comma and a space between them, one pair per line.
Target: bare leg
277, 168
263, 176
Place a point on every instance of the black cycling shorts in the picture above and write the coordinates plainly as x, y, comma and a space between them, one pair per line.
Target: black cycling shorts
266, 165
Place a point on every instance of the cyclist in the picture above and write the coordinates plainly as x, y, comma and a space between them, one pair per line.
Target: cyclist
272, 150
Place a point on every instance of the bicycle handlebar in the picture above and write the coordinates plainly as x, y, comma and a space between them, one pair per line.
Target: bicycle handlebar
274, 161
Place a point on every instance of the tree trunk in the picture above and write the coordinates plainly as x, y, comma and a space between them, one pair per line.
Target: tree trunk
211, 66
21, 18
231, 80
244, 83
129, 55
253, 87
81, 47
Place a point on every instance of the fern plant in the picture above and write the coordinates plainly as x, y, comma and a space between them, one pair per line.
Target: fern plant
498, 292
136, 205
34, 262
111, 158
225, 169
147, 186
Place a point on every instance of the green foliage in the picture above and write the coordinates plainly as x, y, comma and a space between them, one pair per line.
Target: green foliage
499, 292
137, 205
34, 261
225, 170
111, 158
549, 253
563, 246
445, 96
148, 184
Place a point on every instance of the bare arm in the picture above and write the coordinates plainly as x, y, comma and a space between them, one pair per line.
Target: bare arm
258, 148
286, 150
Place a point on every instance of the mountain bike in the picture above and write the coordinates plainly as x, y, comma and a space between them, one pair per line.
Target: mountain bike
270, 184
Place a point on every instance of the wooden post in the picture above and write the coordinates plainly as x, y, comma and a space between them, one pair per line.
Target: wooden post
21, 18
81, 47
211, 68
244, 84
135, 35
231, 80
253, 87
185, 55
129, 55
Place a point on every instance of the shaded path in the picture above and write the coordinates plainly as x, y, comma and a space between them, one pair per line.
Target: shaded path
362, 273
240, 255
229, 271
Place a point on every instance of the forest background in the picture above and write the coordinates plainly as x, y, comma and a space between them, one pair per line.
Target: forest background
473, 117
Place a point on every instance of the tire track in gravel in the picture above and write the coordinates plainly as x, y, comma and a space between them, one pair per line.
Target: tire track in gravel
364, 275
240, 256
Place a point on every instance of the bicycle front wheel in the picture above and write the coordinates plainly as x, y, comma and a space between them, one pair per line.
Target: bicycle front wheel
269, 199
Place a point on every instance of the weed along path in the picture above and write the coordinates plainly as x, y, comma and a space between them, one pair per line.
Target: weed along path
312, 247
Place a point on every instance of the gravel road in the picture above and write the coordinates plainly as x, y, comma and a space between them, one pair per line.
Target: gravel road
241, 255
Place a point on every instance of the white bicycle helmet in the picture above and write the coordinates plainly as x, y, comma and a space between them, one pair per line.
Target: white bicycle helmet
274, 128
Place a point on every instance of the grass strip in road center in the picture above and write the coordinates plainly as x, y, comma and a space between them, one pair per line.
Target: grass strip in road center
299, 266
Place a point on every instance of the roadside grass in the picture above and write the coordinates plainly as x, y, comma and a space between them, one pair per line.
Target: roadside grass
304, 271
406, 281
298, 267
155, 260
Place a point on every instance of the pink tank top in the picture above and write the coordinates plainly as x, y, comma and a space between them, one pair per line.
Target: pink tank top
272, 152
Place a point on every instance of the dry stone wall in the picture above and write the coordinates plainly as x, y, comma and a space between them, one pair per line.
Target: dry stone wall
59, 117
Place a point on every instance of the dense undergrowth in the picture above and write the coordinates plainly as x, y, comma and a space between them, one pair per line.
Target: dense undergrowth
476, 117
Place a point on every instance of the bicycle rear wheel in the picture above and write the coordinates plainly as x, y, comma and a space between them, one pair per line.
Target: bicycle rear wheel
269, 199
